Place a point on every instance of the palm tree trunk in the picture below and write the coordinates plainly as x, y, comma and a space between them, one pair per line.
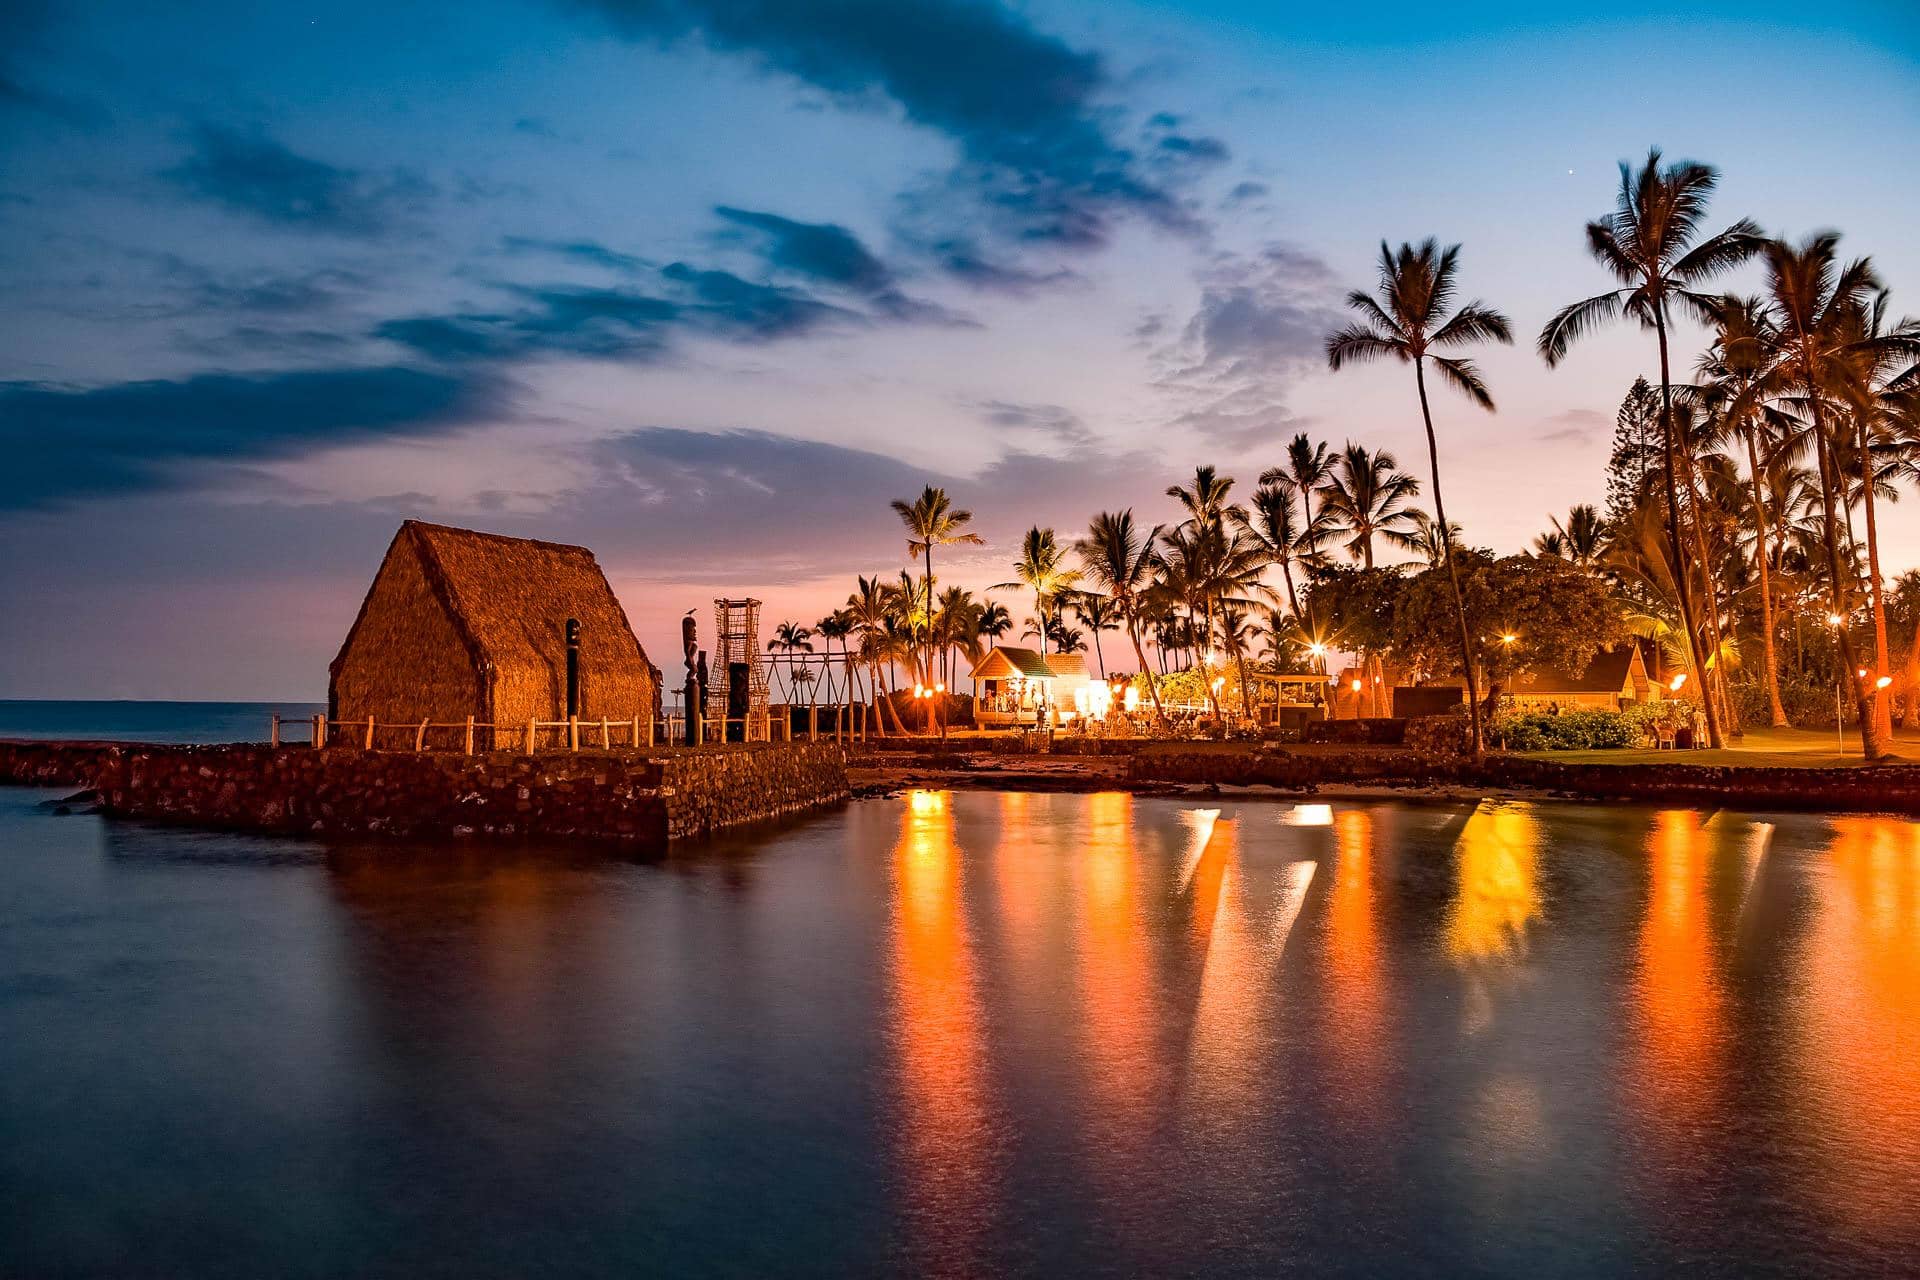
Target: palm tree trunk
1882, 704
886, 700
1153, 689
1776, 712
1096, 653
1872, 745
1286, 575
1670, 456
1716, 685
1453, 574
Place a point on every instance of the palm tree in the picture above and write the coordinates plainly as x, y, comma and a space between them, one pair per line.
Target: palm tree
1205, 499
1274, 523
995, 622
1647, 242
1425, 540
932, 521
1042, 569
793, 639
1740, 373
1366, 497
871, 605
1581, 538
838, 625
1096, 613
1308, 466
1118, 560
1407, 321
1819, 311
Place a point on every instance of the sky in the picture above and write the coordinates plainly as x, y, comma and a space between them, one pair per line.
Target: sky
702, 284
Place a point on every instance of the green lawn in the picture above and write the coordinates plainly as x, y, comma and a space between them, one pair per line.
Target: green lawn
1766, 748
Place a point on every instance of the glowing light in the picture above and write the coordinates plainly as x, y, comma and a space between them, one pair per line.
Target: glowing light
1317, 649
1883, 682
1218, 681
1132, 700
939, 688
1862, 673
1309, 815
1834, 619
1356, 685
1509, 638
1675, 683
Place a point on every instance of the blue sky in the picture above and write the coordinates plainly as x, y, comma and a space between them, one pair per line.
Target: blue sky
703, 283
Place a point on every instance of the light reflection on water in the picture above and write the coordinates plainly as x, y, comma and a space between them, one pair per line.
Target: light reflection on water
973, 1033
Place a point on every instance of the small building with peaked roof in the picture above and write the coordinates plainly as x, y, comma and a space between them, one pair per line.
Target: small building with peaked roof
1614, 678
459, 623
1015, 686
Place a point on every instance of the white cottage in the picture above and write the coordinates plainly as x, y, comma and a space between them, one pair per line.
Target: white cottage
1013, 686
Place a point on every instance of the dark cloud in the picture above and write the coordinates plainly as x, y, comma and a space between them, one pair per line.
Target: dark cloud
1056, 422
1039, 163
966, 262
62, 443
1244, 193
251, 174
589, 252
1261, 324
744, 309
821, 251
1575, 426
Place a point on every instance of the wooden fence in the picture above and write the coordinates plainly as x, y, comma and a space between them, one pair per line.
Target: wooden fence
531, 736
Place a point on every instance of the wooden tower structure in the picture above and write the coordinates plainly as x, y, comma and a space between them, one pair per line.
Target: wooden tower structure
737, 685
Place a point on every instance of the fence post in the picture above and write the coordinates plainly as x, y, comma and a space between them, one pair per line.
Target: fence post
606, 742
530, 736
649, 728
369, 733
319, 732
420, 737
469, 735
573, 733
273, 732
699, 727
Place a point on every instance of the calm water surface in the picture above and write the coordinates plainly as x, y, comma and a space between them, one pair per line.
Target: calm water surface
972, 1034
152, 721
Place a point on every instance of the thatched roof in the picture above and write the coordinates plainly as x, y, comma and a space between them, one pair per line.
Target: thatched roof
509, 598
1607, 673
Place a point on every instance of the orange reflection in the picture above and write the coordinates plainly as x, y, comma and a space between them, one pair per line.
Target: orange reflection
1124, 1071
1222, 1074
1496, 893
1679, 1001
1860, 1048
1356, 987
938, 1035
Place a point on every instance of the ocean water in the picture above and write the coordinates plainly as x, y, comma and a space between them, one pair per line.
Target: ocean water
971, 1034
150, 721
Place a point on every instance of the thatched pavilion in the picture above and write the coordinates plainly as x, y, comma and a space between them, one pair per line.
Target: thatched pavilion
459, 623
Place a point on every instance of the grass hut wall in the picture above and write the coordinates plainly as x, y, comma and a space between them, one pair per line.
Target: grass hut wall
461, 623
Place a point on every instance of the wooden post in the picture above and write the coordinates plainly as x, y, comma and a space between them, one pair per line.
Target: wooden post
606, 741
469, 735
319, 732
369, 733
531, 730
573, 733
699, 726
420, 737
649, 728
273, 731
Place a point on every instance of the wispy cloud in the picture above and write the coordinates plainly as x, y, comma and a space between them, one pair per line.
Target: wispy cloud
258, 177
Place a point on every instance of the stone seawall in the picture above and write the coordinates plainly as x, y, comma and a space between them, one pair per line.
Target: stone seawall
1876, 789
645, 798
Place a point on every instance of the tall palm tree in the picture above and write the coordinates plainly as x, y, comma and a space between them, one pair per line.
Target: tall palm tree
1820, 312
1647, 242
1408, 321
1426, 540
1118, 559
1740, 374
932, 521
1042, 569
1366, 497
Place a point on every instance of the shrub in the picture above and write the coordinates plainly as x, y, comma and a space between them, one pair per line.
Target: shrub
1569, 731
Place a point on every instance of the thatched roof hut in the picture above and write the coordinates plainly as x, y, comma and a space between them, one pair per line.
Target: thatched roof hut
460, 623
